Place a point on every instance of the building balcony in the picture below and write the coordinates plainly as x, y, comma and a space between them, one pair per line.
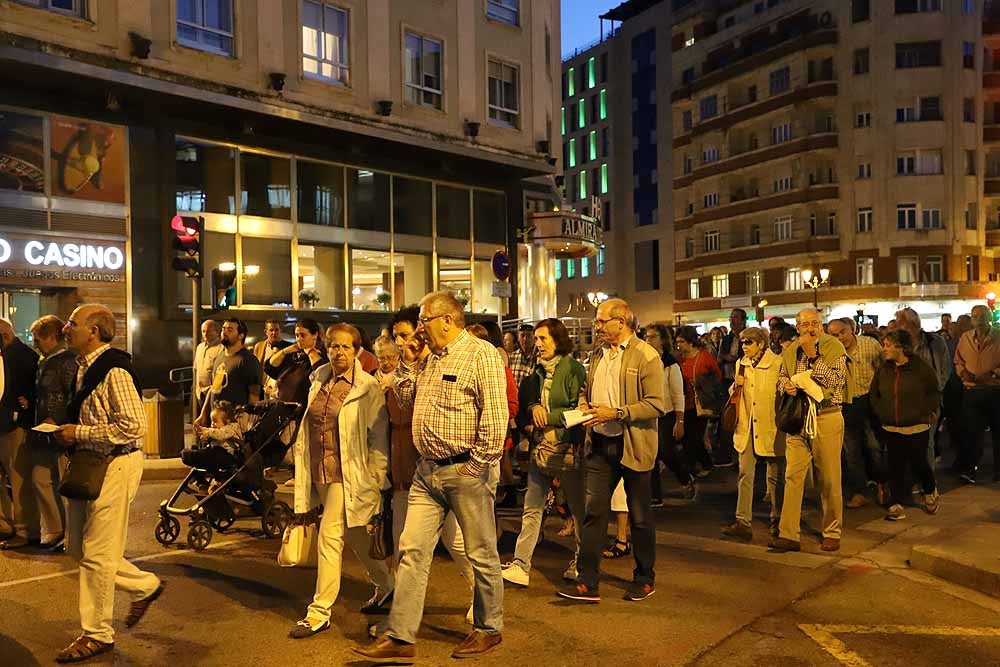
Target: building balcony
755, 204
991, 185
991, 133
993, 237
749, 158
991, 79
754, 253
734, 115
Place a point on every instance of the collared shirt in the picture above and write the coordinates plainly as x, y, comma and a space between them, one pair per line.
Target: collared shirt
522, 365
113, 414
832, 376
205, 357
865, 360
607, 386
324, 428
976, 354
461, 403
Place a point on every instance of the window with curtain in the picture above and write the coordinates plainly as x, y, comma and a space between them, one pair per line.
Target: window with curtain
503, 94
325, 53
422, 60
202, 24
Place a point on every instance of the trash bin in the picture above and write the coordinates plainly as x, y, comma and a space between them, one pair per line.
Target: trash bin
164, 425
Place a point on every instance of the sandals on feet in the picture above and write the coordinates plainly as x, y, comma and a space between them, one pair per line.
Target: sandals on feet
139, 607
618, 550
83, 648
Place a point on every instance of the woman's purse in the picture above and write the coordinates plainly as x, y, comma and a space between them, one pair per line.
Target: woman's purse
709, 396
731, 411
380, 531
298, 544
552, 458
790, 412
84, 477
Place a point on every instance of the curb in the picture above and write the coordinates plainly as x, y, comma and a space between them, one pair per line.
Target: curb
159, 470
970, 560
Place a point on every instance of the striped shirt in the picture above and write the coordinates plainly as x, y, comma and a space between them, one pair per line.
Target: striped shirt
112, 415
522, 365
461, 403
865, 360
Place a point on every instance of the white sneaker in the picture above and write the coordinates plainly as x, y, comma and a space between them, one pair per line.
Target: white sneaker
514, 574
571, 573
896, 513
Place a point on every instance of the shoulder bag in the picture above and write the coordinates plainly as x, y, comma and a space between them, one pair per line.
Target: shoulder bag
709, 395
380, 530
298, 544
790, 412
731, 412
84, 477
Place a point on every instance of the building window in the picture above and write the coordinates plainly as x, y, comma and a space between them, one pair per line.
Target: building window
694, 289
780, 80
720, 286
205, 177
604, 179
688, 248
571, 268
906, 114
422, 64
647, 265
601, 261
906, 216
971, 268
710, 154
861, 61
783, 184
686, 121
711, 200
864, 170
914, 6
272, 285
935, 269
968, 7
571, 82
971, 216
793, 279
562, 116
504, 11
559, 272
266, 183
583, 184
918, 54
831, 224
781, 133
783, 228
907, 269
504, 106
320, 193
969, 109
864, 271
72, 7
592, 137
708, 107
906, 164
863, 119
931, 218
712, 240
864, 219
585, 267
754, 234
968, 55
860, 10
688, 164
572, 152
812, 224
687, 76
755, 282
930, 108
581, 113
929, 162
604, 104
202, 24
325, 43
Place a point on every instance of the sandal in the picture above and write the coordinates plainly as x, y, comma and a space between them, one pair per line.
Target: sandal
139, 607
83, 648
618, 549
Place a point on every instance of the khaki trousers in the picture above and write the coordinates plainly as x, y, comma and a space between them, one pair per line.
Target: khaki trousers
333, 533
95, 536
20, 511
48, 467
800, 455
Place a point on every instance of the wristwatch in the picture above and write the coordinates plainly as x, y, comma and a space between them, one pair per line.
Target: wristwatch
619, 414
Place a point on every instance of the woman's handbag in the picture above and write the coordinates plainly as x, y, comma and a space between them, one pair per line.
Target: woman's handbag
731, 411
380, 530
709, 395
84, 477
298, 544
552, 458
790, 412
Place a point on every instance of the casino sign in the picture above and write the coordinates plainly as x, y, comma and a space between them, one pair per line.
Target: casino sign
566, 234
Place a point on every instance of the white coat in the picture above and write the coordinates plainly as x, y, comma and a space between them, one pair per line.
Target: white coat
759, 394
363, 429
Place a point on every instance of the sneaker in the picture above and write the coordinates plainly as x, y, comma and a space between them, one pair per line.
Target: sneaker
856, 501
657, 503
967, 477
637, 592
571, 573
738, 530
931, 501
578, 591
896, 513
304, 629
379, 603
691, 490
514, 574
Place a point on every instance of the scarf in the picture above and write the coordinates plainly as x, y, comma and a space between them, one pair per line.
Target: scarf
550, 369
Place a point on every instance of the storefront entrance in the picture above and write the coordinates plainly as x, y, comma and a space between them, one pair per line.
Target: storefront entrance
21, 307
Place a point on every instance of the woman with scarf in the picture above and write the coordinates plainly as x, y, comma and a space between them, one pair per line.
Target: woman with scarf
552, 389
756, 436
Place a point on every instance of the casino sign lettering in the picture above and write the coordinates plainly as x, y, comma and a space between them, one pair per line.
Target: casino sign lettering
54, 260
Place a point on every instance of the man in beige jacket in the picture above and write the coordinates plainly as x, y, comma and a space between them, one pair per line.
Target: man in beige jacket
624, 397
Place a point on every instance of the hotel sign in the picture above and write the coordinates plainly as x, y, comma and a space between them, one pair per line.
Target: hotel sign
567, 234
48, 258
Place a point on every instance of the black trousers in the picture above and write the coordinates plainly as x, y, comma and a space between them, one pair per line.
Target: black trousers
694, 441
667, 452
980, 408
907, 452
602, 470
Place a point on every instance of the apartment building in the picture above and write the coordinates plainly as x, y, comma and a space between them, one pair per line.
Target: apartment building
845, 136
347, 156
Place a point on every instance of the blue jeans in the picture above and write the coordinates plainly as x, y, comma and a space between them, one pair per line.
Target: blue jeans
437, 490
571, 483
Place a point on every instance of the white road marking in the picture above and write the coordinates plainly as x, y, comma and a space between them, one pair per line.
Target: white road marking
824, 635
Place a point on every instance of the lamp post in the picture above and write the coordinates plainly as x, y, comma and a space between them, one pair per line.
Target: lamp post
809, 279
597, 298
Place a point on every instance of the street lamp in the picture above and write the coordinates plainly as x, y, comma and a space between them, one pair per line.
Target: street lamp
596, 298
809, 279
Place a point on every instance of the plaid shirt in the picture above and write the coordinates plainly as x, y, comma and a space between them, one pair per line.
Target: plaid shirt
460, 403
832, 376
113, 414
522, 365
865, 360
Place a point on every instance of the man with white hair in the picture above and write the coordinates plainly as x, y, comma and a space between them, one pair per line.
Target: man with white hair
822, 359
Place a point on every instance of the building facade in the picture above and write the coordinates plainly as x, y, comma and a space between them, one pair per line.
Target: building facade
347, 156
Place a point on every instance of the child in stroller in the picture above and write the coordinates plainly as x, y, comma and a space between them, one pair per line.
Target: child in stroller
221, 446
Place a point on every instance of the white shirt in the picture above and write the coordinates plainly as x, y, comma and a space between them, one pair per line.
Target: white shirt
607, 386
673, 389
204, 363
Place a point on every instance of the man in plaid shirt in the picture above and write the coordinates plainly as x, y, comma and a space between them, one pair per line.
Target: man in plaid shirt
522, 361
111, 421
459, 424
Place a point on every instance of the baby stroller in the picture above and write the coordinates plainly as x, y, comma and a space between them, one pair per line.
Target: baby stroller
238, 491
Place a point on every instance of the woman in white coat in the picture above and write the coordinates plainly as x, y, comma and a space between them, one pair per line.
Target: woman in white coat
756, 436
341, 462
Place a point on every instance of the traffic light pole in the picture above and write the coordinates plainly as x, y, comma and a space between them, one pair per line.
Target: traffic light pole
195, 334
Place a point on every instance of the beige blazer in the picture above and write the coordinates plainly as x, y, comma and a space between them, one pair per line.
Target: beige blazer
760, 390
642, 399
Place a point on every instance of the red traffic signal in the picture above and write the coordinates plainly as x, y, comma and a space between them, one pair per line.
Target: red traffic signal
188, 242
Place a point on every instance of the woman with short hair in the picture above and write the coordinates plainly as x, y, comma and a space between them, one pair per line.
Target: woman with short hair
291, 366
697, 365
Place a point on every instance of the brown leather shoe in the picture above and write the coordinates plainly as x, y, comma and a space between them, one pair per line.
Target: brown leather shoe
477, 643
856, 501
738, 531
830, 544
783, 544
388, 649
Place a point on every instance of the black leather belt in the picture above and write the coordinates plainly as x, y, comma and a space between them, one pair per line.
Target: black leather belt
452, 460
122, 450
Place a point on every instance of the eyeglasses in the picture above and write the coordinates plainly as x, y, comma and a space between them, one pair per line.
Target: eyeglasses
746, 341
425, 319
604, 322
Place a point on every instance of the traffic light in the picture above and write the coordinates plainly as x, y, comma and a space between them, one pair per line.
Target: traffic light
224, 286
991, 301
187, 242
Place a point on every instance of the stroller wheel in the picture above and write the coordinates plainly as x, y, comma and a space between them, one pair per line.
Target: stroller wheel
222, 523
199, 535
167, 530
277, 516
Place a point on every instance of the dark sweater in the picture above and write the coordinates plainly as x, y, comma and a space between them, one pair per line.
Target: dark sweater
905, 395
20, 363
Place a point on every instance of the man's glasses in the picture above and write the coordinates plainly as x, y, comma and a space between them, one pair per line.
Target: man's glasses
427, 319
604, 322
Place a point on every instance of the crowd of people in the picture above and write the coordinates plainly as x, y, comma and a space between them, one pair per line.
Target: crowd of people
436, 417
